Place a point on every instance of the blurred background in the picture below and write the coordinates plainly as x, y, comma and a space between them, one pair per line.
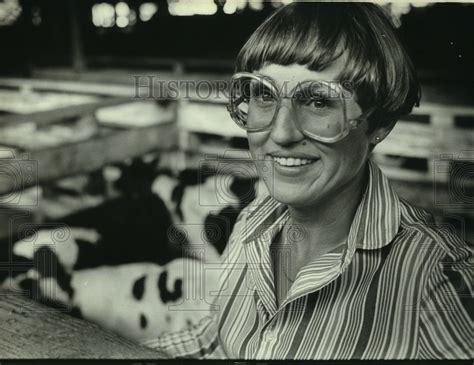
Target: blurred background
77, 149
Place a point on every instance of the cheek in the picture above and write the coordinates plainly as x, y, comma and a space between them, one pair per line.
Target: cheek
257, 149
356, 149
257, 142
356, 145
351, 153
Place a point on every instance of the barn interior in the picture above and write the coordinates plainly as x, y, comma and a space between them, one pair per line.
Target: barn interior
120, 167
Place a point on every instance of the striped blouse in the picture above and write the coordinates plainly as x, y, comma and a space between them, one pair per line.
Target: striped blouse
401, 289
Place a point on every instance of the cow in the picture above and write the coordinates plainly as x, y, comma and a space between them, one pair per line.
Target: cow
143, 263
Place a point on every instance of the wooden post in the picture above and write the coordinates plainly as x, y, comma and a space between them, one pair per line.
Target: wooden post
77, 48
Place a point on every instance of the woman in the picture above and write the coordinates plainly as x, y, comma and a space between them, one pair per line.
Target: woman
331, 264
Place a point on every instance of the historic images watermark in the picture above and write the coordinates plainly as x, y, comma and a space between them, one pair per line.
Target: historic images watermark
153, 87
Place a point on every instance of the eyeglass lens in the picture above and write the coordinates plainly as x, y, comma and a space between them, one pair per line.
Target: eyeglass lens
317, 107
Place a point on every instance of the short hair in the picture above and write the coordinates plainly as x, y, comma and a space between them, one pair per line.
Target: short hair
315, 34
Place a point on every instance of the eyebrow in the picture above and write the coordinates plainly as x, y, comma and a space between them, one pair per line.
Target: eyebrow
283, 87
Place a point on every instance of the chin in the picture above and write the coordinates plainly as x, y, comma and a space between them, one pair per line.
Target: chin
291, 196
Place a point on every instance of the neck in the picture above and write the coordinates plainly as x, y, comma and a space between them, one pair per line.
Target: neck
327, 224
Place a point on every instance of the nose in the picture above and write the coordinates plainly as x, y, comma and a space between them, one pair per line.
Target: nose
284, 129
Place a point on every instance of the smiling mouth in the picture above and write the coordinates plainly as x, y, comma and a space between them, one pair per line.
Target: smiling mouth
293, 162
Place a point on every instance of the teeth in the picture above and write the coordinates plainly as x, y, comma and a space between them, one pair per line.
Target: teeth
292, 161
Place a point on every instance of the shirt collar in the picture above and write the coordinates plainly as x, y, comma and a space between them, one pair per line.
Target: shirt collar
375, 224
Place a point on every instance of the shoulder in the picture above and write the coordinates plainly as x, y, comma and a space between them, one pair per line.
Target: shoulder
418, 225
444, 275
446, 259
432, 252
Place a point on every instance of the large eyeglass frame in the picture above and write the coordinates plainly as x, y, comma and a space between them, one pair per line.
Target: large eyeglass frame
236, 114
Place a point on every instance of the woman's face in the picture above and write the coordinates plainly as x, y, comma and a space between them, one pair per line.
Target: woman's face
333, 168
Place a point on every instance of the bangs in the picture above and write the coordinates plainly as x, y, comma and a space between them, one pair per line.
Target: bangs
293, 36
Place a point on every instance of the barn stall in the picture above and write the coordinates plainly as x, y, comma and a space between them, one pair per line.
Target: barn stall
109, 215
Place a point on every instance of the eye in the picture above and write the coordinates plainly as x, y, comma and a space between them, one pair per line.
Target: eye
317, 103
266, 97
262, 94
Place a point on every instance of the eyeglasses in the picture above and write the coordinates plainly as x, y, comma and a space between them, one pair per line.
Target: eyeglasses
319, 108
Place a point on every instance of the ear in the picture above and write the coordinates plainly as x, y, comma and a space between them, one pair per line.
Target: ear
380, 134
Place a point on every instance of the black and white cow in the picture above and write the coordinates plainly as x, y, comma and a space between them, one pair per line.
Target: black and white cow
136, 264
